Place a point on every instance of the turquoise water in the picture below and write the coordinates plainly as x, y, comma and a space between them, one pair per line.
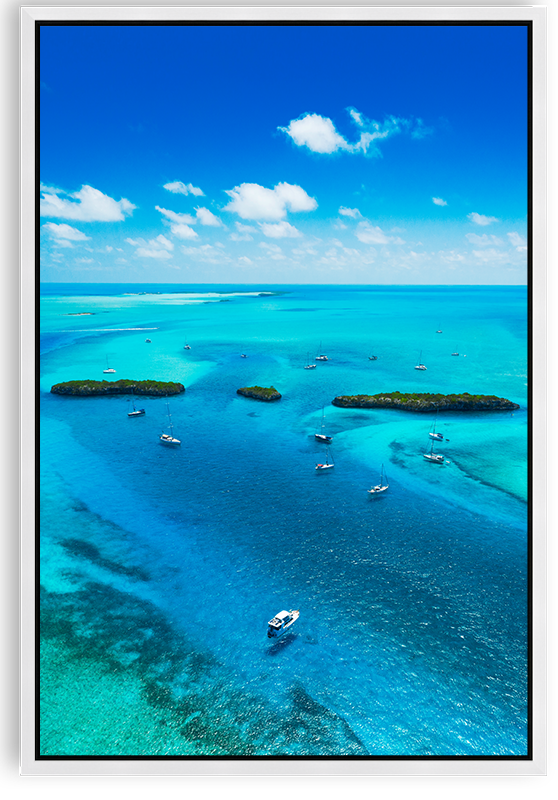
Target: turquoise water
160, 568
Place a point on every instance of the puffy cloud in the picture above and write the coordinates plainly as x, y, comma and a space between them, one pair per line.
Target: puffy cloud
490, 256
480, 219
252, 201
159, 247
483, 240
438, 201
370, 234
183, 232
279, 230
64, 231
179, 223
273, 251
350, 212
91, 206
451, 256
518, 241
177, 187
244, 233
320, 135
180, 219
207, 218
317, 133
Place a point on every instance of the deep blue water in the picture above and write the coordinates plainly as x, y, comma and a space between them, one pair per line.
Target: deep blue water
160, 568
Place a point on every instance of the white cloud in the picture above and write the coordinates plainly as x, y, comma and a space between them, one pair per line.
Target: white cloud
273, 251
480, 219
438, 201
451, 256
177, 187
339, 225
64, 231
317, 133
180, 219
320, 135
245, 260
518, 241
369, 234
91, 206
252, 201
350, 212
183, 232
159, 247
179, 223
279, 230
244, 233
489, 256
205, 216
84, 261
483, 240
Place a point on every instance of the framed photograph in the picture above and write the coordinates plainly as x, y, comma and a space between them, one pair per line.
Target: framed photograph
283, 346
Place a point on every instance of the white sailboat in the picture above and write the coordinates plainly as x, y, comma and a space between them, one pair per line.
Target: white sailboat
327, 464
455, 354
169, 439
187, 346
137, 412
420, 365
321, 436
433, 435
434, 458
380, 487
309, 365
108, 369
321, 356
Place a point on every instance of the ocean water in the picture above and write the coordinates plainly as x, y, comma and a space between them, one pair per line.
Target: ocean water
160, 568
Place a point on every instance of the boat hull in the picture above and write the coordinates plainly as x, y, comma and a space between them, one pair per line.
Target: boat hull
171, 442
433, 459
321, 437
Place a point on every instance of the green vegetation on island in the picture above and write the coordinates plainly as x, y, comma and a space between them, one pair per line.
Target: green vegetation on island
89, 388
260, 393
412, 401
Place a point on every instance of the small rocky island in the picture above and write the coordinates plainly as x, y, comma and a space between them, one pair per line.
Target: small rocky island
268, 394
94, 388
410, 401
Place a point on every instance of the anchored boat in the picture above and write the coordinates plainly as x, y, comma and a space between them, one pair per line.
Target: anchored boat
327, 465
281, 622
434, 458
381, 487
420, 365
166, 438
321, 436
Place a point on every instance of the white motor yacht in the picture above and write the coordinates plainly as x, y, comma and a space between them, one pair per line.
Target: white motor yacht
281, 622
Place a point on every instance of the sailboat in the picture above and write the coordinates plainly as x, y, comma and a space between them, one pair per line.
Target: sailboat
381, 487
108, 369
327, 465
166, 438
187, 346
455, 354
372, 358
137, 412
434, 458
322, 437
433, 435
309, 365
439, 330
321, 356
420, 365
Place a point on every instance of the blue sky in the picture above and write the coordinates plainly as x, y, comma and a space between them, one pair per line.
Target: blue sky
284, 154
